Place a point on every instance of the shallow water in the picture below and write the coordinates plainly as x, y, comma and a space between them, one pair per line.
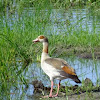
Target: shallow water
77, 19
59, 21
85, 68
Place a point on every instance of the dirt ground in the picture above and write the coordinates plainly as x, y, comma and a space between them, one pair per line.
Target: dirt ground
86, 53
82, 96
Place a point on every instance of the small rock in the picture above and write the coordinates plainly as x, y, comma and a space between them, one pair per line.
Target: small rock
88, 82
38, 84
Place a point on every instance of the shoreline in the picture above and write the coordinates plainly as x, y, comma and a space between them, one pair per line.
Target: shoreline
86, 53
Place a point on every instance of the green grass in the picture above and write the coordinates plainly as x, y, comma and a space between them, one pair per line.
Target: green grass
20, 25
55, 3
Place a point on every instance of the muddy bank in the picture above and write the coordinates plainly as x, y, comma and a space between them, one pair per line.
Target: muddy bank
82, 96
87, 53
87, 91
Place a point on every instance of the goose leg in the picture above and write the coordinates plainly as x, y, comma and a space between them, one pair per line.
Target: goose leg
50, 95
57, 90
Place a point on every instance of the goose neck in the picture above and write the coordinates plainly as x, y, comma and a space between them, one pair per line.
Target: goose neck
45, 47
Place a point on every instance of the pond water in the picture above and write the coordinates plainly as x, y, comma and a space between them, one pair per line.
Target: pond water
85, 68
57, 21
74, 19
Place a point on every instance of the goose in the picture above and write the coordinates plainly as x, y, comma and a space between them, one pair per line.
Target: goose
55, 68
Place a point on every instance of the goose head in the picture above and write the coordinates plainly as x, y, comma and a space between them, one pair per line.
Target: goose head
41, 38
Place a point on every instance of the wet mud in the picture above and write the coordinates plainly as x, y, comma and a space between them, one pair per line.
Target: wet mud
86, 53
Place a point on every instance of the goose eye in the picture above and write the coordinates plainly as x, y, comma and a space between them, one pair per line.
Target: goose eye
41, 37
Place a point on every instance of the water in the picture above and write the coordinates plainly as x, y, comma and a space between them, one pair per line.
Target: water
64, 20
59, 21
85, 68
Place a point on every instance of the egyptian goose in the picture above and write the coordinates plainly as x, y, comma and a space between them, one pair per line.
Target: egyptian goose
55, 68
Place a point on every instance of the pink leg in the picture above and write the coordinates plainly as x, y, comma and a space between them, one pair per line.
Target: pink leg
50, 95
57, 90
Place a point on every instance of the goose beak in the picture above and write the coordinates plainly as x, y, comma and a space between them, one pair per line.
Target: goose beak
36, 40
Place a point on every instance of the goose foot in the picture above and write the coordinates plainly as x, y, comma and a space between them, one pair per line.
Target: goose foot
50, 96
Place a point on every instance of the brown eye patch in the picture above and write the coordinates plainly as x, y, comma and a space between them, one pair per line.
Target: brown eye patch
41, 37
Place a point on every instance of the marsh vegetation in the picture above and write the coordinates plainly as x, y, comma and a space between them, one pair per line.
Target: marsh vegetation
69, 26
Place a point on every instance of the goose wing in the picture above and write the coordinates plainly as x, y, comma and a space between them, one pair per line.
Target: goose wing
61, 65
